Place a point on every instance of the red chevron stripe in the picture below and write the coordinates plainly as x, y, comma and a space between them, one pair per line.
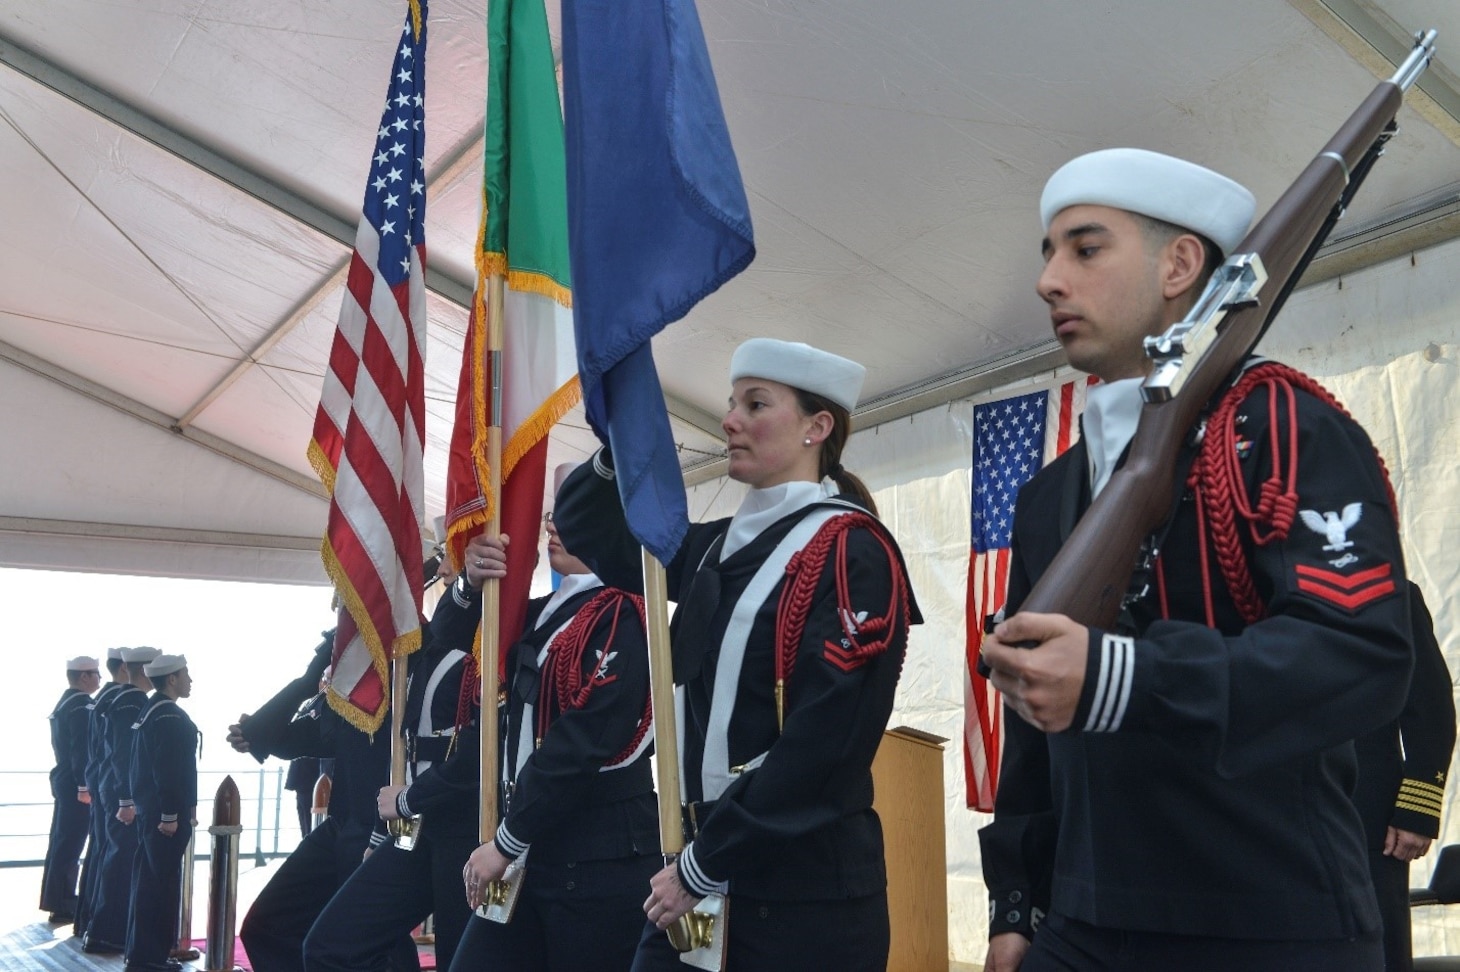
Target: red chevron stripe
1345, 582
846, 661
1351, 601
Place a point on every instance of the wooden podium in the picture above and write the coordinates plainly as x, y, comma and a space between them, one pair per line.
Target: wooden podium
908, 779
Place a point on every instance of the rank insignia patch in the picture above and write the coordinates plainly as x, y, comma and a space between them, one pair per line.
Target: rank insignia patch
1348, 591
1333, 526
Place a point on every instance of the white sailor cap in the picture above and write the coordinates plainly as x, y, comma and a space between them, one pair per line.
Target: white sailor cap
1155, 185
83, 663
164, 665
114, 654
561, 472
140, 654
801, 366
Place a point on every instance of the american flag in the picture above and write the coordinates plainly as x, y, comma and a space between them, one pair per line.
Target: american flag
1012, 440
369, 429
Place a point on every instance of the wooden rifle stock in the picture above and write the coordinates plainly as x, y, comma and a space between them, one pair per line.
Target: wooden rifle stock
1089, 578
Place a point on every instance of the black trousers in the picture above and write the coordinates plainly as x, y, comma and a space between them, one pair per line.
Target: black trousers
579, 917
91, 866
111, 897
388, 895
1391, 884
1063, 945
156, 892
70, 821
274, 929
852, 935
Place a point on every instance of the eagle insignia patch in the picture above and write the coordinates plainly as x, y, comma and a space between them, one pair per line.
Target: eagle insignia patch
1333, 526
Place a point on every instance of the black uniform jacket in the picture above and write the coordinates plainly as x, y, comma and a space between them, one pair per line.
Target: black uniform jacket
1214, 799
443, 765
124, 711
96, 761
68, 743
270, 721
286, 729
797, 821
164, 761
1403, 765
585, 791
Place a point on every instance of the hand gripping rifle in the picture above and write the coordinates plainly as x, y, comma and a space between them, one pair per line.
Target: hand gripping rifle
1090, 579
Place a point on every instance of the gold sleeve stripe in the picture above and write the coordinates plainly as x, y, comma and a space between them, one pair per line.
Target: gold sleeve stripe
1416, 808
1425, 798
1421, 785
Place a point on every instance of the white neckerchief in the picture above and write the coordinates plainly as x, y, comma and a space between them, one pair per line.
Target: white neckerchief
570, 586
1111, 413
762, 507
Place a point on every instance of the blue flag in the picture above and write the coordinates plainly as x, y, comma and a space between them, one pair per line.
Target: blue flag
657, 220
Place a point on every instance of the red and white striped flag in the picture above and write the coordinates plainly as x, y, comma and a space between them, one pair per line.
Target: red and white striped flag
369, 430
1012, 440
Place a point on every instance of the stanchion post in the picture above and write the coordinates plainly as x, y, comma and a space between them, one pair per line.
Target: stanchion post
323, 788
223, 877
184, 952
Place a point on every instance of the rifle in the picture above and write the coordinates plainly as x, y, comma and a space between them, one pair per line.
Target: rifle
1089, 580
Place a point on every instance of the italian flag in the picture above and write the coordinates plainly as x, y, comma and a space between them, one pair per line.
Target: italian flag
524, 238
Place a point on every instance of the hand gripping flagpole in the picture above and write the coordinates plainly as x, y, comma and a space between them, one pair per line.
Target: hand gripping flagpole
499, 897
699, 936
403, 829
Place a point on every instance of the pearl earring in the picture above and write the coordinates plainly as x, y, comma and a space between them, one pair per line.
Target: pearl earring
806, 441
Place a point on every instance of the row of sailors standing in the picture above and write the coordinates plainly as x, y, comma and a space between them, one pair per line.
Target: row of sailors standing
127, 759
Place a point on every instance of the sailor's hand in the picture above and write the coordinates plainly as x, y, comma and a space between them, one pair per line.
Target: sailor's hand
83, 795
1405, 845
485, 864
235, 735
126, 815
385, 802
486, 557
1006, 952
668, 900
167, 828
1041, 683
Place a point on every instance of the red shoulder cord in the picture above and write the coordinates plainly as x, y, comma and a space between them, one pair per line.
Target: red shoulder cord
803, 574
1221, 497
470, 693
563, 682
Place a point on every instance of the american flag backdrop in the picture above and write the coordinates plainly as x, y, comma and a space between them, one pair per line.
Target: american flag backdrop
369, 430
1012, 440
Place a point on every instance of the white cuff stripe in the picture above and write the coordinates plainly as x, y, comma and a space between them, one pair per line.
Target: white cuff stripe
1100, 683
603, 471
1113, 686
169, 818
513, 846
697, 880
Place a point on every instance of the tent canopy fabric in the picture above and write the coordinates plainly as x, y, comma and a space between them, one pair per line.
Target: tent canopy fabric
185, 178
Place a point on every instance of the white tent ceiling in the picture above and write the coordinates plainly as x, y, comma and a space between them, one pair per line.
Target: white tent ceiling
184, 178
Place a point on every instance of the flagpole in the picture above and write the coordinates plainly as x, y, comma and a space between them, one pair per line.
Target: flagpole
401, 828
699, 935
499, 897
492, 589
